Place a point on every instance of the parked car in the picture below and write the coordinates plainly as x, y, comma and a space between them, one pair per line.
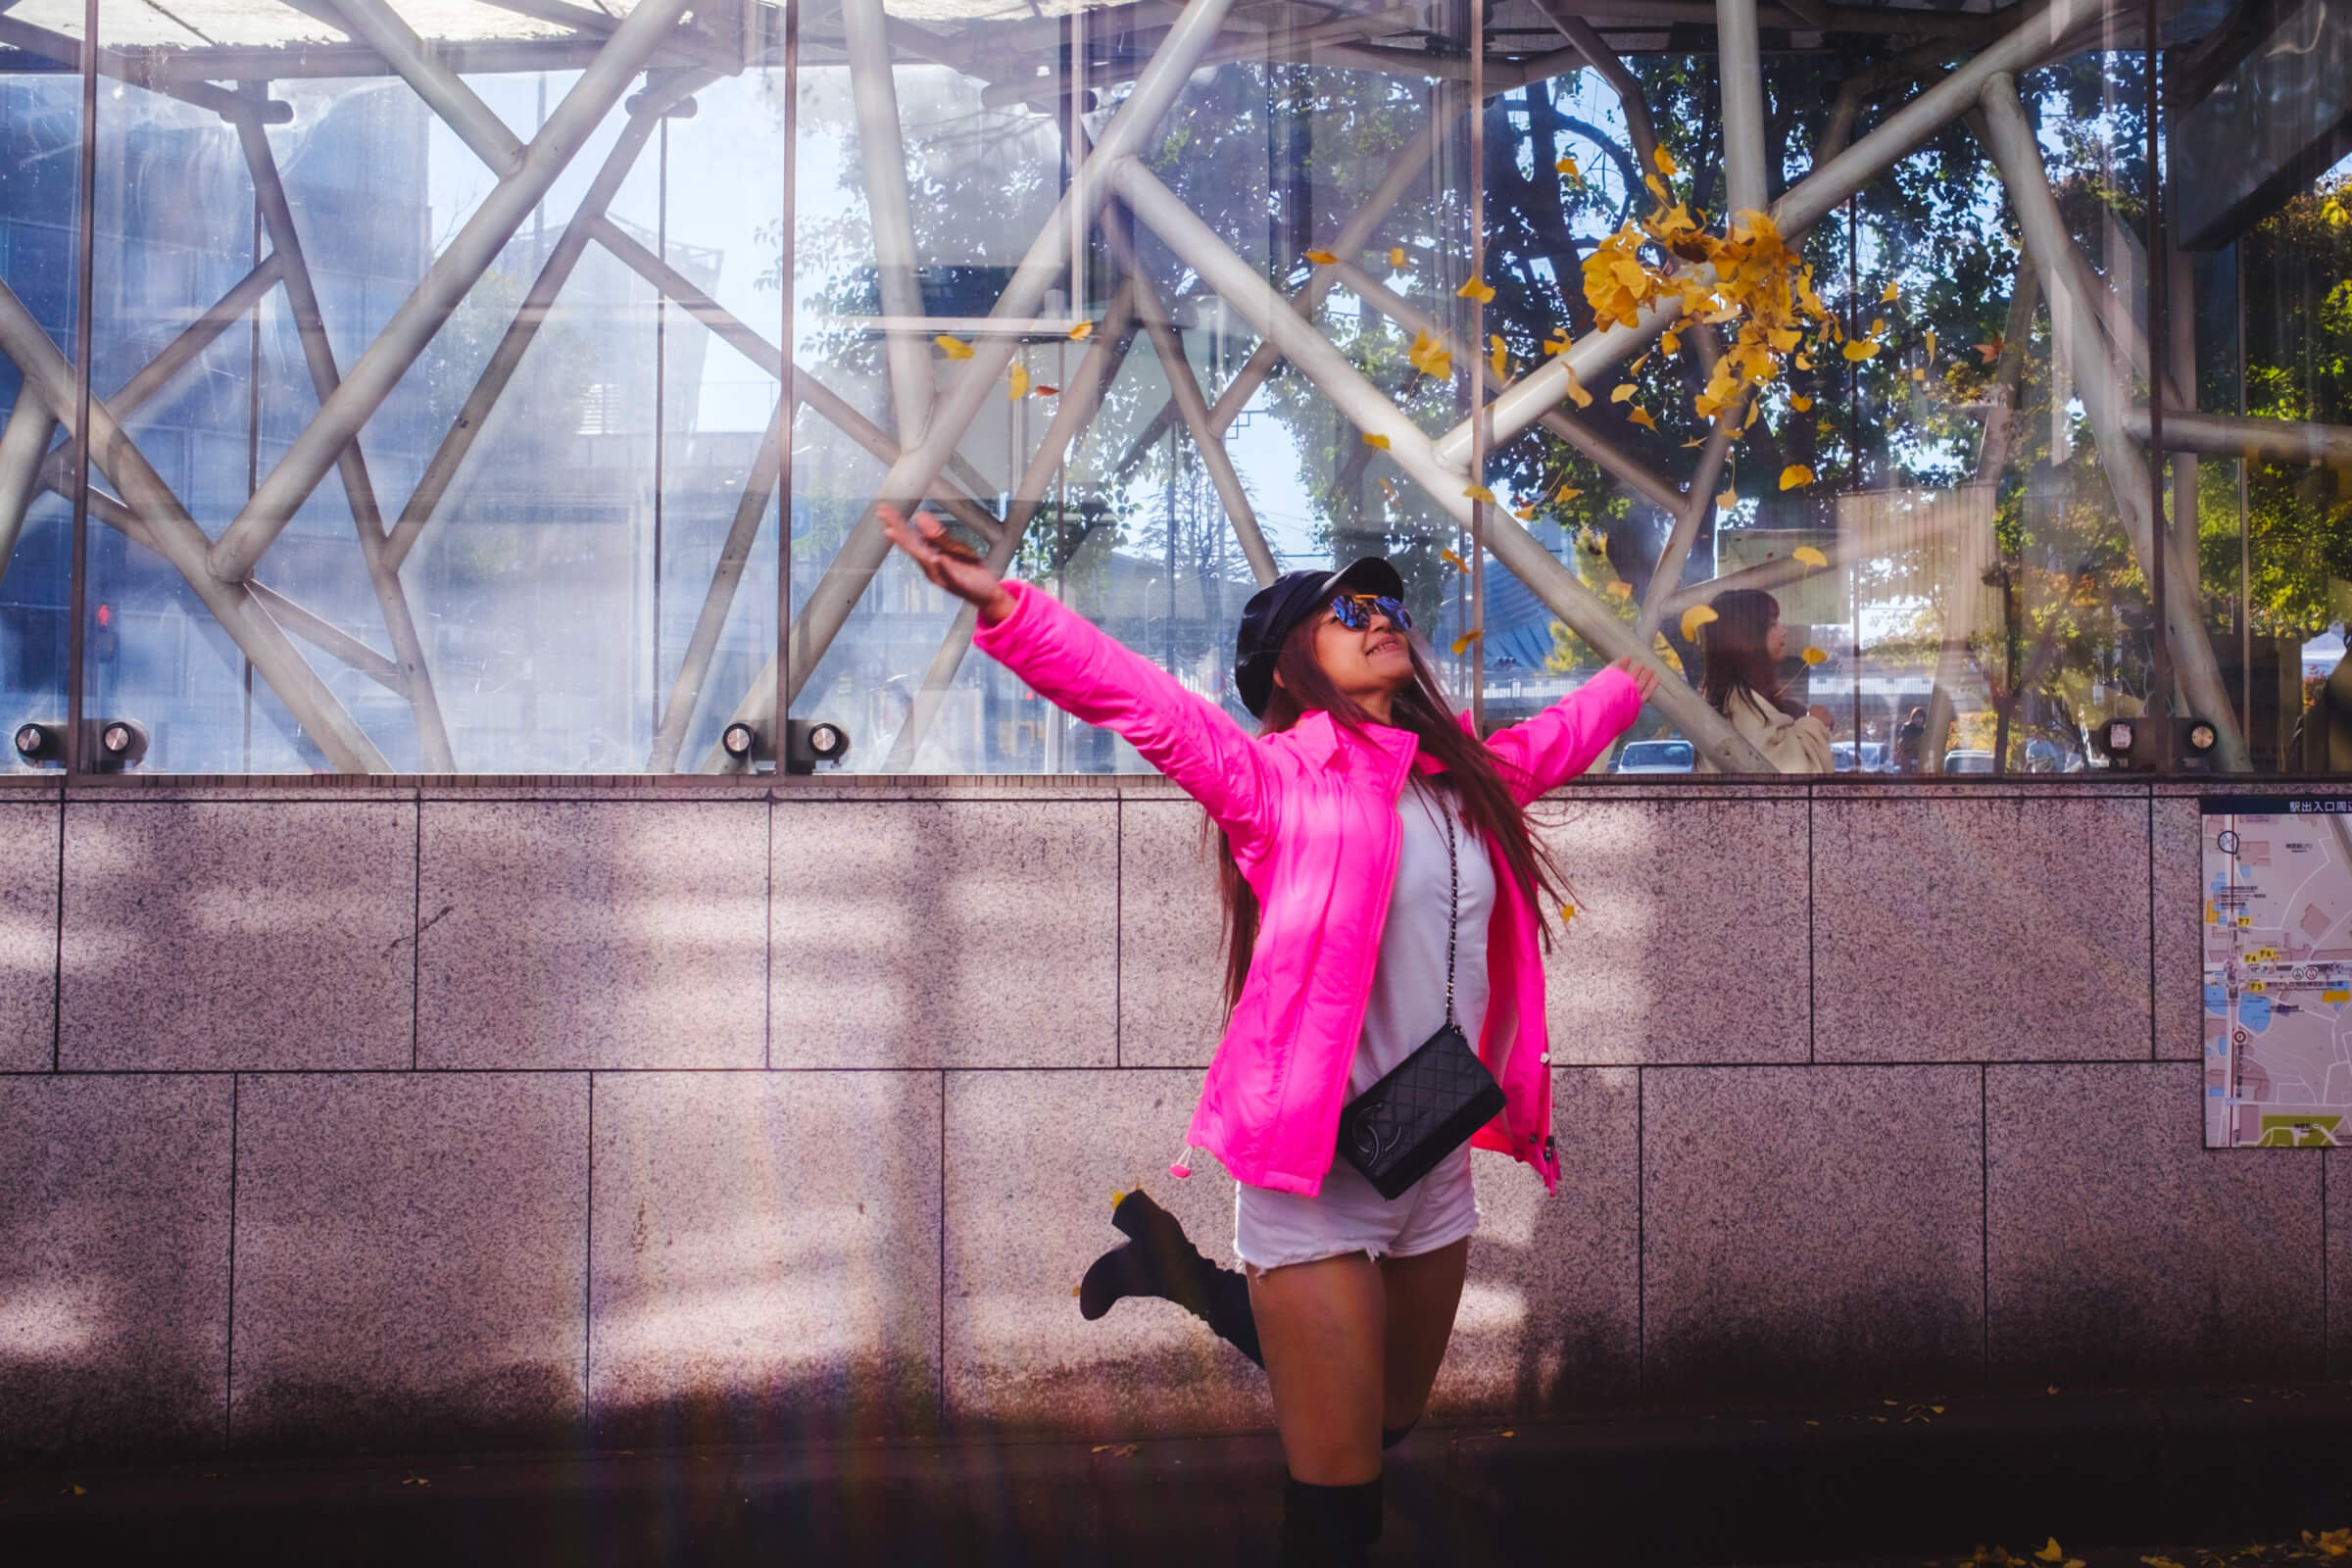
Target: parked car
1874, 755
1656, 756
1968, 761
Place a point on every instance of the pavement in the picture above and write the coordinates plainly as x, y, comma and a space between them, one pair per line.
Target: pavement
2197, 1477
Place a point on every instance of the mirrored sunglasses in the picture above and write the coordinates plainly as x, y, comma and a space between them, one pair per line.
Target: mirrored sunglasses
1355, 610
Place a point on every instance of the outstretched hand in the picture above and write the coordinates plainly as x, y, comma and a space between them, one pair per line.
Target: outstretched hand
946, 563
1646, 679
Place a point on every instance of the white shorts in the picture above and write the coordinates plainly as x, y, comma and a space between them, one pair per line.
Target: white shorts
1272, 1229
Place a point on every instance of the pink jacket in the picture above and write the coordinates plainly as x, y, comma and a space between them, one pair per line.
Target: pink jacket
1311, 813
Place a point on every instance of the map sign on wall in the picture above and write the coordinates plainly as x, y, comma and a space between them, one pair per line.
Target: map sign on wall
2278, 961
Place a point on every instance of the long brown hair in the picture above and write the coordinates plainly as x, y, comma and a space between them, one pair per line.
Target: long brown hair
1732, 653
1419, 706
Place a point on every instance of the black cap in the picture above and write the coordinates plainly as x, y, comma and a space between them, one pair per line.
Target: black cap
1282, 605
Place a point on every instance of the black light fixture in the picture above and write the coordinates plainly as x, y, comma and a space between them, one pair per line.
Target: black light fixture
810, 741
739, 741
2116, 741
41, 745
121, 743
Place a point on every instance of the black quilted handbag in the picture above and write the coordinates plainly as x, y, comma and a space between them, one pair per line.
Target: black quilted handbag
1428, 1105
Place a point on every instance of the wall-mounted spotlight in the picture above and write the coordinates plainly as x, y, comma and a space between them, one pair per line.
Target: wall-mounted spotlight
809, 742
121, 745
41, 745
739, 741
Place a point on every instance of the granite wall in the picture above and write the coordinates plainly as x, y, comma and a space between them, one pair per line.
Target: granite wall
455, 1115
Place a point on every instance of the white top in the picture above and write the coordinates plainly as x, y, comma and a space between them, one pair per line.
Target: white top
1408, 983
1793, 743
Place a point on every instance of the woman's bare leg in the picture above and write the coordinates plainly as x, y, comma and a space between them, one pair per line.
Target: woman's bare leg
1324, 1329
1423, 1293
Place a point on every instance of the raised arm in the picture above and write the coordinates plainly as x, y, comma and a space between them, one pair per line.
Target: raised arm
1560, 742
1071, 662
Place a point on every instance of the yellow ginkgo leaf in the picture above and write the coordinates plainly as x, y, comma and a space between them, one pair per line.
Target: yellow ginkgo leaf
1878, 327
1322, 258
954, 348
1567, 911
1804, 362
1695, 617
1665, 161
1577, 394
1387, 489
1619, 590
1566, 492
1795, 476
1858, 350
1640, 417
1727, 499
1624, 392
1799, 402
1526, 513
1476, 289
1376, 441
1478, 492
1395, 255
1499, 357
1671, 342
1807, 555
1567, 166
1461, 644
1930, 341
1813, 656
1082, 332
1017, 385
1446, 555
2050, 1553
1894, 292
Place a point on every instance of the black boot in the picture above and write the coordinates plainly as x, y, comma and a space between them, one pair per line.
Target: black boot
1162, 1260
1329, 1527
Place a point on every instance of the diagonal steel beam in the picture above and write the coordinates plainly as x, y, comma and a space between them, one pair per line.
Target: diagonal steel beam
22, 446
1640, 128
859, 555
889, 211
554, 272
747, 341
1358, 400
443, 90
179, 540
1080, 399
2051, 26
1667, 574
453, 273
359, 489
321, 633
2232, 435
2099, 383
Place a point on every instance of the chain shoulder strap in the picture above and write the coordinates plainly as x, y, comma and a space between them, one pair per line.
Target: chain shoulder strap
1453, 890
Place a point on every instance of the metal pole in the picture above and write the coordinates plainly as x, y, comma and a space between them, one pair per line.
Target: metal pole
1697, 506
686, 693
1639, 129
2225, 436
22, 447
1740, 74
2097, 383
1358, 400
77, 412
175, 536
890, 210
2160, 690
443, 90
358, 490
862, 554
467, 427
445, 284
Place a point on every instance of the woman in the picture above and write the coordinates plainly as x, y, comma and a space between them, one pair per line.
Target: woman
1370, 843
1740, 659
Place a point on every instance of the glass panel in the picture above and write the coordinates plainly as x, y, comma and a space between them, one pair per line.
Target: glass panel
40, 126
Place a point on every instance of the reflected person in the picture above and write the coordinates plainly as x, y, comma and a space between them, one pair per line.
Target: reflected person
1740, 663
1370, 841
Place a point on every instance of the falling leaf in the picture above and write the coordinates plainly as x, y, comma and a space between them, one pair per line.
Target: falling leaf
1619, 590
1878, 327
1624, 392
1461, 644
1665, 161
1577, 394
1499, 357
1082, 332
1567, 911
2050, 1553
1799, 402
1857, 350
1795, 476
1991, 350
1323, 257
80, 1490
1930, 336
1476, 289
1894, 292
1478, 492
1805, 555
1387, 489
1566, 492
1640, 417
1695, 617
1727, 499
1567, 166
1446, 555
1919, 375
1804, 363
954, 348
1376, 441
1814, 656
1395, 255
1429, 356
1526, 513
1019, 385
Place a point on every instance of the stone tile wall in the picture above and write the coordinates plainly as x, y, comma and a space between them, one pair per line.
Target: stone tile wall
390, 1115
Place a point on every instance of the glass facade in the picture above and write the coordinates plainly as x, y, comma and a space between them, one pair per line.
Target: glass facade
507, 388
